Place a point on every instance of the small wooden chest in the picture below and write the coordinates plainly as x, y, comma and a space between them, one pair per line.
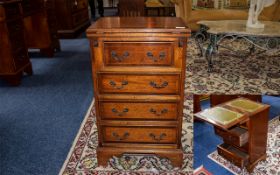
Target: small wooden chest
138, 66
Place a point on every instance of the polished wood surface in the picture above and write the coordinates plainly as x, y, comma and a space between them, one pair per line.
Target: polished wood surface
138, 80
139, 53
72, 17
122, 25
245, 139
137, 110
139, 84
14, 59
139, 135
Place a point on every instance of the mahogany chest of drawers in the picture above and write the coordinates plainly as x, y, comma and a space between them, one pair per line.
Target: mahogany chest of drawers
138, 66
14, 58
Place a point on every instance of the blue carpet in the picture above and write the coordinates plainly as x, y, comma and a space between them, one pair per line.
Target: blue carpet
205, 140
40, 119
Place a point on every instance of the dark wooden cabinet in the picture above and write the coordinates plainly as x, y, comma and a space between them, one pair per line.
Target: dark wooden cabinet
72, 17
38, 32
14, 58
243, 125
53, 24
138, 72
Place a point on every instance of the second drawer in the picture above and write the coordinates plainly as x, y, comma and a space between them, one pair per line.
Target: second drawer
138, 110
236, 136
139, 134
139, 84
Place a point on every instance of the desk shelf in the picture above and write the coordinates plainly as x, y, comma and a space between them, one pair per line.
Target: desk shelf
245, 137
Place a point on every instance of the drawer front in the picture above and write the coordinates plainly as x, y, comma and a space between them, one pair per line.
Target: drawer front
80, 17
143, 111
233, 155
138, 54
236, 136
139, 135
139, 84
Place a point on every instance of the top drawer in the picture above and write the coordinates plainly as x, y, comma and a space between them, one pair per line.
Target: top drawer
139, 53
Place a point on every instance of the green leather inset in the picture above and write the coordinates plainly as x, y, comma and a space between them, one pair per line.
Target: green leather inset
221, 115
246, 105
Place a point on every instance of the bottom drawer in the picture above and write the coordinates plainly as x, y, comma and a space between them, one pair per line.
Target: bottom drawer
236, 136
139, 134
233, 155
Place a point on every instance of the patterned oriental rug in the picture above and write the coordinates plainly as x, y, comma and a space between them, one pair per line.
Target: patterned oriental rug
259, 74
231, 75
269, 167
82, 159
201, 171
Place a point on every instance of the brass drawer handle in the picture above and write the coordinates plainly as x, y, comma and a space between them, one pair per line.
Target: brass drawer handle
114, 85
120, 138
125, 110
158, 139
163, 111
155, 85
119, 58
155, 59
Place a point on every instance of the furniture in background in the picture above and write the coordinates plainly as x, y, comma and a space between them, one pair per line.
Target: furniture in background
138, 74
129, 8
267, 39
93, 7
53, 25
148, 8
159, 8
72, 17
243, 125
191, 17
36, 27
14, 58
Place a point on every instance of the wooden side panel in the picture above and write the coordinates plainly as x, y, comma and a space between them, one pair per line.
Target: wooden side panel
258, 129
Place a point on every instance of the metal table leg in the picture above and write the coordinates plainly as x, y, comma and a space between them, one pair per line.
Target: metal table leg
211, 49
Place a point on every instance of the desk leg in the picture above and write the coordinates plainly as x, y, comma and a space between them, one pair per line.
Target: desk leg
211, 49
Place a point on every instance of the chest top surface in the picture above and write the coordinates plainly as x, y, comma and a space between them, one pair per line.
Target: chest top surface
138, 24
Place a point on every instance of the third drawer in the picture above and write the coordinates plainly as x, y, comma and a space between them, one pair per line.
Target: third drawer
139, 110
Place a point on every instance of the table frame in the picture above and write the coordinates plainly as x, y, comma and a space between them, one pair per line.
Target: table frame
263, 43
